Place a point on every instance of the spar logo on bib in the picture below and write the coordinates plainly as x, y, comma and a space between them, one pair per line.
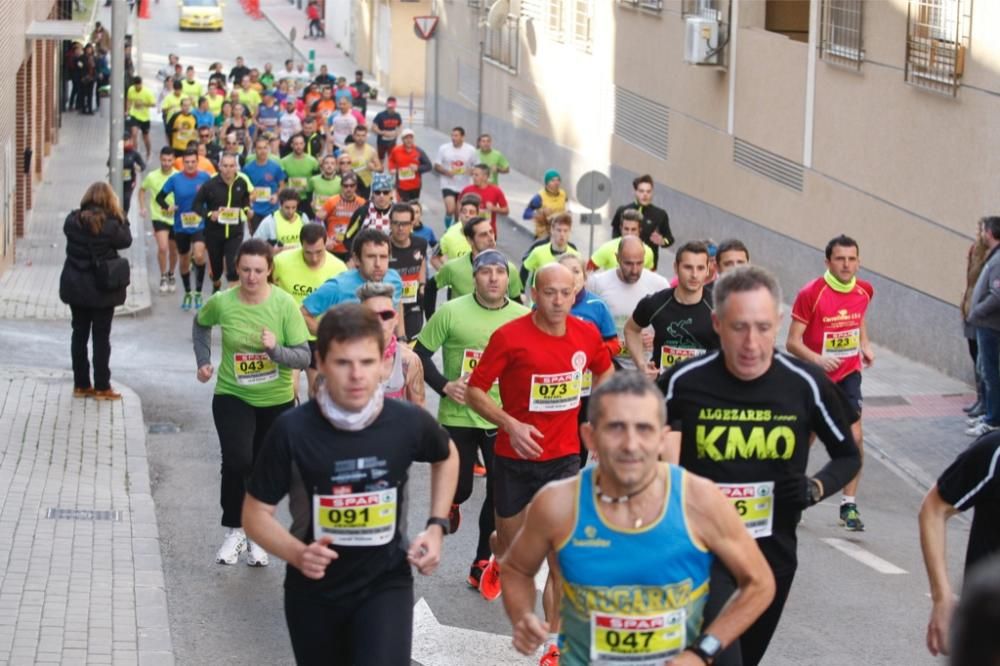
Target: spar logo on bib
579, 360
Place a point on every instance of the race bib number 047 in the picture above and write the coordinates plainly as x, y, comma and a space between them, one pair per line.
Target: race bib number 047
634, 640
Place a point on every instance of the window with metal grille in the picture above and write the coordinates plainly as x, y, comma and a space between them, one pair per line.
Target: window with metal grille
840, 32
556, 20
706, 8
501, 46
937, 39
651, 5
532, 9
583, 19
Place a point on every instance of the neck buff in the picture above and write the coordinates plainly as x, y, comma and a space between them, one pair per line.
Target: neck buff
837, 285
351, 421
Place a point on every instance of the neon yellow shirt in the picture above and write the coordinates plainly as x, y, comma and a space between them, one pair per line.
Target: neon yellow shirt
140, 102
453, 243
606, 256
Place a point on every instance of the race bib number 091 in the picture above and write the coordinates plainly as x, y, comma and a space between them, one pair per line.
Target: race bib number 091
634, 640
356, 519
755, 504
555, 393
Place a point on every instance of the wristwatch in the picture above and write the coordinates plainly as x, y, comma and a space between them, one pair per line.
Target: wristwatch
707, 647
440, 522
815, 494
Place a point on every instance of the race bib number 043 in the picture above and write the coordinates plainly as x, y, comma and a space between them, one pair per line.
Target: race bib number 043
555, 393
755, 504
356, 519
253, 369
634, 640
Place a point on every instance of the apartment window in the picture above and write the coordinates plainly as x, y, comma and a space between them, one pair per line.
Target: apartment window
556, 20
533, 9
840, 32
501, 45
583, 18
937, 39
706, 8
651, 5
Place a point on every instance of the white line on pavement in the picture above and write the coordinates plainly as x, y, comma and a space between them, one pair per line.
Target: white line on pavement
861, 555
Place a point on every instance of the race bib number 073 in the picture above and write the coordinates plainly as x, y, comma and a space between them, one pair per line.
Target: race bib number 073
555, 393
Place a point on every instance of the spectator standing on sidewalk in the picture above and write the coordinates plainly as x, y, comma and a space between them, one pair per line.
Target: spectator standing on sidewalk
973, 267
985, 316
94, 234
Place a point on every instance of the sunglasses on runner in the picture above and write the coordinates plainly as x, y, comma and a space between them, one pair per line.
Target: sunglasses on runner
386, 192
386, 315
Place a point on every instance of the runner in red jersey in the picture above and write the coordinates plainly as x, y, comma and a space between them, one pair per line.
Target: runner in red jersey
539, 360
828, 328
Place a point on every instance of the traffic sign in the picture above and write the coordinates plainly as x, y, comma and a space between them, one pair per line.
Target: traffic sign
425, 26
593, 190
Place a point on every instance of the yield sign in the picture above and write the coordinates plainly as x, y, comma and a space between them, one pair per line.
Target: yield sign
425, 25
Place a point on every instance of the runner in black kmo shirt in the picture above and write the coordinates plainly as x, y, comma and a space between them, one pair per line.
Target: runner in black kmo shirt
743, 415
343, 460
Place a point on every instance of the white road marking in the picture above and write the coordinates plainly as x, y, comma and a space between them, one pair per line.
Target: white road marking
441, 645
861, 555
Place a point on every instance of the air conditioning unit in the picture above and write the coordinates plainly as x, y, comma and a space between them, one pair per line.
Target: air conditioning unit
701, 41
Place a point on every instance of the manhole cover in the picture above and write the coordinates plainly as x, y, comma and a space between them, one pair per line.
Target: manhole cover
83, 514
163, 428
886, 401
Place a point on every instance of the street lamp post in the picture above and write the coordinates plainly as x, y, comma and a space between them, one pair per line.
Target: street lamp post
119, 26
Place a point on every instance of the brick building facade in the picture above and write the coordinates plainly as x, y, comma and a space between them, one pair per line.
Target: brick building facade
29, 113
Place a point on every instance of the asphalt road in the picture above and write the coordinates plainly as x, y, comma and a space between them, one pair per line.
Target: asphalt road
869, 608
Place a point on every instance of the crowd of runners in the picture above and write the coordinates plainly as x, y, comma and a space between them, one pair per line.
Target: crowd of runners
640, 433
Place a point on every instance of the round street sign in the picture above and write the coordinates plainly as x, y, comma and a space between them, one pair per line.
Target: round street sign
593, 190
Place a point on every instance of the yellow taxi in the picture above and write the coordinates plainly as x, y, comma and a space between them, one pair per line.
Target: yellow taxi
200, 14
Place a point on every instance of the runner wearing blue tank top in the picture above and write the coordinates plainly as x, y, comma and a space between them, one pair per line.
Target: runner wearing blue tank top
635, 540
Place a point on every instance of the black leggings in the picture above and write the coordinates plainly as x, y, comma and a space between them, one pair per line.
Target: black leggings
468, 441
375, 629
219, 247
84, 320
241, 429
750, 648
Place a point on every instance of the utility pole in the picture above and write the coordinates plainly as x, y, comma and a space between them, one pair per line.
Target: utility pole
119, 26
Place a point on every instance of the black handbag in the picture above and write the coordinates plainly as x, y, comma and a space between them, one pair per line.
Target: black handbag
111, 273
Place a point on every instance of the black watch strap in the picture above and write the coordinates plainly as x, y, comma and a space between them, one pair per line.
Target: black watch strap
443, 523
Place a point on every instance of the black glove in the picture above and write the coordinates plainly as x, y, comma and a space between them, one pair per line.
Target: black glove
796, 492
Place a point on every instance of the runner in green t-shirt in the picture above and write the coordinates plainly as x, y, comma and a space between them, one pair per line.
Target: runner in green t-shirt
300, 272
325, 184
548, 253
606, 257
163, 223
461, 328
492, 158
263, 338
453, 242
300, 167
139, 100
457, 274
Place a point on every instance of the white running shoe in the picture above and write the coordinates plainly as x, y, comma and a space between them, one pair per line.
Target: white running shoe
256, 556
171, 283
234, 544
163, 284
980, 429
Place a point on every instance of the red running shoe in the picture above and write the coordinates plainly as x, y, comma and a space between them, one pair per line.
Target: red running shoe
489, 582
476, 573
551, 656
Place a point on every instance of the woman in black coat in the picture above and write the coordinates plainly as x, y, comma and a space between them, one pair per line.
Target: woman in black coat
93, 233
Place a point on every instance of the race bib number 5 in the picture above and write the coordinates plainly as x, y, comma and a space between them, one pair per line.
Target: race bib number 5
253, 369
842, 344
629, 639
356, 519
755, 504
555, 393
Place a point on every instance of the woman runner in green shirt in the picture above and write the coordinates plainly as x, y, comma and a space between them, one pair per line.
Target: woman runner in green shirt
263, 338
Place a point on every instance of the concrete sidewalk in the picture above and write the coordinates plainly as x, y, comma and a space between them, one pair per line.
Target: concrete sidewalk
29, 289
81, 581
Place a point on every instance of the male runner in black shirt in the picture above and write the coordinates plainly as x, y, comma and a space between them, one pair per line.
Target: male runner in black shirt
343, 459
744, 415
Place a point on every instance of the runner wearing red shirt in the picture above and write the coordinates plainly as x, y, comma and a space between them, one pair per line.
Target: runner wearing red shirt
493, 199
404, 164
828, 328
539, 360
